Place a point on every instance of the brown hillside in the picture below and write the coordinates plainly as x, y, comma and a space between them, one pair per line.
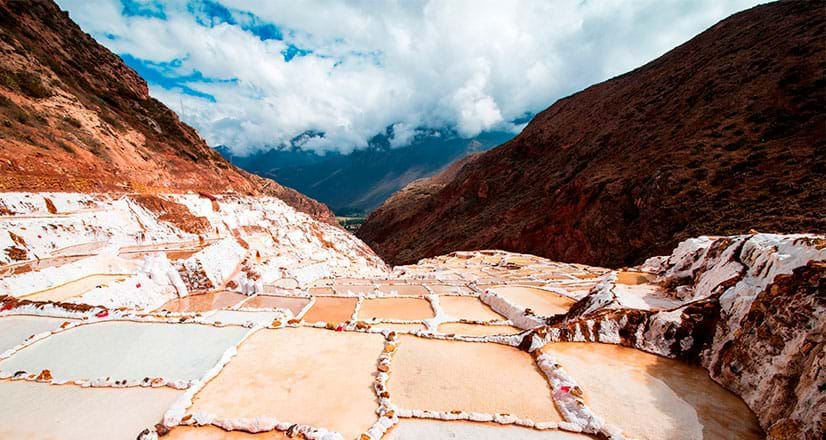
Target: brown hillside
74, 117
721, 135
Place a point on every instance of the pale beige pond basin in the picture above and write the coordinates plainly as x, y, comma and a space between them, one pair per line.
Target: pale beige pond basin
321, 291
330, 309
74, 288
14, 330
292, 303
33, 411
408, 309
415, 429
299, 375
443, 289
467, 307
127, 350
203, 302
652, 397
402, 289
209, 432
459, 328
242, 317
632, 278
540, 301
349, 290
437, 375
398, 327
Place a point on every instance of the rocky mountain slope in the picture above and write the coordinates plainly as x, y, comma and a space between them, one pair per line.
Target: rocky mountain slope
360, 181
74, 117
721, 135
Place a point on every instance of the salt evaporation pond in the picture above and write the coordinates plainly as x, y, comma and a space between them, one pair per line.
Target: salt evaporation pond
436, 375
540, 301
409, 309
652, 397
127, 350
311, 376
14, 330
30, 410
467, 307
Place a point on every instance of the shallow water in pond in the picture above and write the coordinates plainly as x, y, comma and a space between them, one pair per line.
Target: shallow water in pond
127, 350
413, 429
459, 328
293, 304
330, 309
542, 302
14, 330
203, 302
467, 307
31, 410
409, 309
74, 288
312, 376
430, 374
653, 397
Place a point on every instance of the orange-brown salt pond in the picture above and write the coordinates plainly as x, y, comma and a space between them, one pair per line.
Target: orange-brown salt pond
437, 375
203, 302
540, 301
331, 309
409, 309
463, 329
467, 307
293, 304
652, 397
302, 375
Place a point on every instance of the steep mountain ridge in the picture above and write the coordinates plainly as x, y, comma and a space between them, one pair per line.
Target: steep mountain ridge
721, 135
361, 180
74, 117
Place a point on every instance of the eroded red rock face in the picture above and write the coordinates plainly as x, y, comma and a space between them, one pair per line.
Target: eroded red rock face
721, 135
74, 117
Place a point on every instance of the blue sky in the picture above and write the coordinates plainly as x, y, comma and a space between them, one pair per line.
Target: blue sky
252, 74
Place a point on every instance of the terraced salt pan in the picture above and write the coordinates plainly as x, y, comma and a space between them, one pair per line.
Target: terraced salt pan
356, 289
211, 433
285, 283
413, 429
443, 289
293, 304
14, 330
459, 328
542, 302
467, 307
30, 410
311, 376
652, 397
321, 291
330, 309
437, 375
244, 317
402, 289
74, 288
408, 309
398, 327
203, 302
127, 350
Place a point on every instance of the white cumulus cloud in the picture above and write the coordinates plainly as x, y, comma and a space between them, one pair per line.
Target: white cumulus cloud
363, 66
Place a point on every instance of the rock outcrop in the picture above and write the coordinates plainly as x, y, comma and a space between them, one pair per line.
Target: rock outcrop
750, 309
74, 117
721, 135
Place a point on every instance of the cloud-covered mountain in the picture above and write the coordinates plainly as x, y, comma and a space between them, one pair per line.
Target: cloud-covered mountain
360, 181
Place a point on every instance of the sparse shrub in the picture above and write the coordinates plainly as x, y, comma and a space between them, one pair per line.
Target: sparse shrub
28, 83
72, 121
